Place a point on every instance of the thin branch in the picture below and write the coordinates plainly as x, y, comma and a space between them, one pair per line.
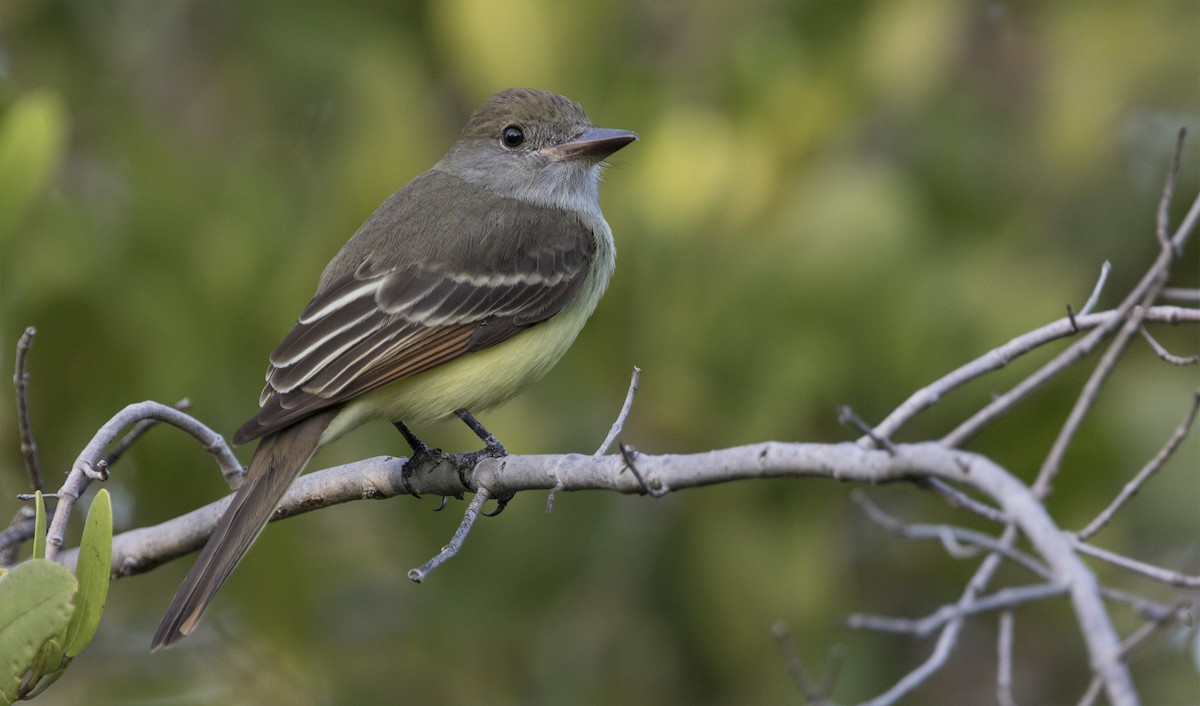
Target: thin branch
21, 387
1147, 609
1162, 223
960, 500
418, 574
89, 466
1135, 638
126, 442
628, 454
1139, 636
946, 640
1173, 578
952, 538
19, 531
619, 424
1004, 644
1187, 225
613, 431
846, 415
1091, 391
1167, 355
816, 694
791, 660
833, 669
1105, 269
1001, 356
375, 478
1152, 466
1132, 312
947, 535
1181, 294
1004, 599
1002, 404
1093, 691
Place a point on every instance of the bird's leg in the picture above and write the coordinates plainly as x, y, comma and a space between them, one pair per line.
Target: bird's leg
420, 454
492, 449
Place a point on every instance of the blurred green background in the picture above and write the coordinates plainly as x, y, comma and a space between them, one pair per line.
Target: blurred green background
832, 203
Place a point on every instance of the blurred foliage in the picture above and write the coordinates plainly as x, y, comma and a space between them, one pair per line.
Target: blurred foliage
832, 203
47, 614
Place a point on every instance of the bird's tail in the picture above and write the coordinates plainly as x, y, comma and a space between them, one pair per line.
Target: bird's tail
278, 460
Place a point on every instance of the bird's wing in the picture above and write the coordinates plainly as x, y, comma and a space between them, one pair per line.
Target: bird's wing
394, 317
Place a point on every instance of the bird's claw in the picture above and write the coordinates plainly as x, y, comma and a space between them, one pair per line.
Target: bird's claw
501, 503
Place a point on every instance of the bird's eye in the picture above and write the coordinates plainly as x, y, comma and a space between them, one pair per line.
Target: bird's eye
512, 137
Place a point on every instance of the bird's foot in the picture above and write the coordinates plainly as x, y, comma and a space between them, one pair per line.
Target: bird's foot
467, 461
421, 454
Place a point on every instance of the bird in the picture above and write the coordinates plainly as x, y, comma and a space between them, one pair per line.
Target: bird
468, 283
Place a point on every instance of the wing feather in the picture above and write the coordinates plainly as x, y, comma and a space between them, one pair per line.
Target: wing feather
433, 296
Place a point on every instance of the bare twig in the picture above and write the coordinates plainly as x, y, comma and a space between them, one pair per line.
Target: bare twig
1181, 294
126, 442
1095, 297
628, 454
1093, 691
946, 534
619, 424
418, 574
1147, 609
952, 538
1139, 636
846, 415
1152, 466
1135, 638
1167, 355
1089, 394
818, 693
1004, 643
1150, 571
1005, 402
791, 660
833, 669
19, 531
1187, 225
960, 500
846, 462
1133, 310
946, 640
89, 466
1004, 599
21, 387
999, 357
1162, 223
613, 431
1151, 282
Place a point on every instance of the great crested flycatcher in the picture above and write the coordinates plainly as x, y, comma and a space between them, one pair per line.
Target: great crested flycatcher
469, 282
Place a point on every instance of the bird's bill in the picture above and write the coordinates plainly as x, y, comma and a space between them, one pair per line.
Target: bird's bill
595, 143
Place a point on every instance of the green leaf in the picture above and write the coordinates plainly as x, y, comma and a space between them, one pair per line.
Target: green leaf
45, 681
35, 606
39, 527
93, 569
48, 666
48, 659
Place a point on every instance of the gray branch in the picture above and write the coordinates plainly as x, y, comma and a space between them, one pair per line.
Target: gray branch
141, 549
